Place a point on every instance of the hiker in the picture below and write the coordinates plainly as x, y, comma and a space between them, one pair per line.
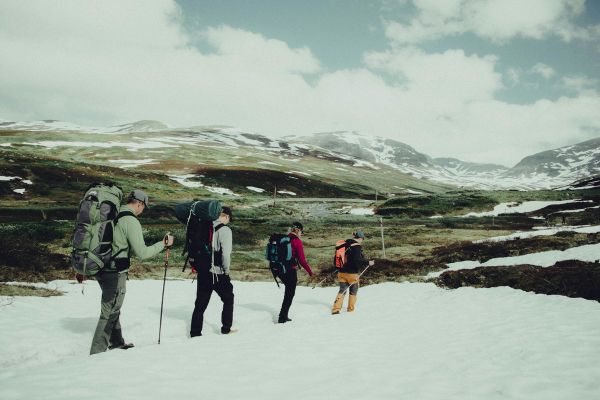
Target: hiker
214, 276
127, 239
290, 277
349, 273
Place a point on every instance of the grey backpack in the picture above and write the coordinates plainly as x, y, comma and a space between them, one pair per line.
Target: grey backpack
93, 234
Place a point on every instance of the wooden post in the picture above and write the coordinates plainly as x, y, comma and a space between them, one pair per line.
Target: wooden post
382, 239
375, 196
274, 195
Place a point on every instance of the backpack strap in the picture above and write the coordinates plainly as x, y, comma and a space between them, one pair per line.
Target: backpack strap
219, 227
123, 214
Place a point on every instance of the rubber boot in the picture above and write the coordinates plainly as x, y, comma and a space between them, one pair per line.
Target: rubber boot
351, 302
337, 305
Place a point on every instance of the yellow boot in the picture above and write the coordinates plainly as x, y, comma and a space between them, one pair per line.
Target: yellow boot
337, 305
351, 302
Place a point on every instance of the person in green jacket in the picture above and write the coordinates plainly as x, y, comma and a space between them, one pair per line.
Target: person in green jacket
128, 239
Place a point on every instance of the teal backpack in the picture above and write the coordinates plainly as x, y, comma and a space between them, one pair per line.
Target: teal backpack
93, 234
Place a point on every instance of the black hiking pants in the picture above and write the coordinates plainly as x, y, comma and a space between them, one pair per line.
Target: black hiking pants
206, 283
290, 280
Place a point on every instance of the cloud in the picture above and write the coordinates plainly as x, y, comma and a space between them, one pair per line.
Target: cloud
497, 21
580, 84
544, 70
110, 62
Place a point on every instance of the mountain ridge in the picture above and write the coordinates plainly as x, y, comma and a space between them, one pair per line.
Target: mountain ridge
544, 170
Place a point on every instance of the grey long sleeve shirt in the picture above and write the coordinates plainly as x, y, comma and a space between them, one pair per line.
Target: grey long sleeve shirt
222, 240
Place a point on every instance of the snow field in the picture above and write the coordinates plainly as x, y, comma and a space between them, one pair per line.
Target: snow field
540, 231
525, 207
403, 341
587, 253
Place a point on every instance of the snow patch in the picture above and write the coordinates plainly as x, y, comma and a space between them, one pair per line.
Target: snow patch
255, 189
542, 232
587, 253
183, 180
362, 211
299, 172
525, 207
132, 163
286, 192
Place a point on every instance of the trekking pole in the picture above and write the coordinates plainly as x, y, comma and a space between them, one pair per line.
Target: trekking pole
359, 275
382, 239
324, 279
164, 283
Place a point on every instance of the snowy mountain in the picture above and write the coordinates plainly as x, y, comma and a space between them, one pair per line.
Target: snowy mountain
545, 170
564, 165
50, 125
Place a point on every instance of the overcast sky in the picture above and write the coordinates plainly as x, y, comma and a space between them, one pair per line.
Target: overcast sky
480, 80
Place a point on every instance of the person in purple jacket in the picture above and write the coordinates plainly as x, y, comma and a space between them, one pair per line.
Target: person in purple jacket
290, 277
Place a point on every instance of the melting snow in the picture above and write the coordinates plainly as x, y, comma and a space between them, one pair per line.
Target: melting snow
525, 207
183, 180
132, 163
362, 211
286, 192
20, 191
361, 163
220, 190
299, 172
542, 232
255, 189
131, 146
589, 253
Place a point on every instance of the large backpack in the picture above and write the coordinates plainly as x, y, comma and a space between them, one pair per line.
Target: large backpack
279, 253
93, 233
341, 253
199, 232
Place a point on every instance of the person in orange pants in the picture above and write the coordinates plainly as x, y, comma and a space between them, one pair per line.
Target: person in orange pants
349, 273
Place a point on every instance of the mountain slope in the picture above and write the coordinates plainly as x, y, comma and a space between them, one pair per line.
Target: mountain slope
390, 166
564, 165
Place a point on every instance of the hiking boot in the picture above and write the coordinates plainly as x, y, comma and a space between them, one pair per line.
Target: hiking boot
335, 312
123, 346
232, 330
284, 320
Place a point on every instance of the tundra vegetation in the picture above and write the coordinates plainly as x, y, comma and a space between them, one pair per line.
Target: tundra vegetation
424, 228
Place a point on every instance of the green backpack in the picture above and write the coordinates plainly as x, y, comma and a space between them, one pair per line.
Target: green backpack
93, 234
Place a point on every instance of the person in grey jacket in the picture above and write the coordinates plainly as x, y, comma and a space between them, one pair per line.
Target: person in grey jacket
128, 239
215, 277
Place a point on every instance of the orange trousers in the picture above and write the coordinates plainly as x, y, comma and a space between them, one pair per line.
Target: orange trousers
348, 282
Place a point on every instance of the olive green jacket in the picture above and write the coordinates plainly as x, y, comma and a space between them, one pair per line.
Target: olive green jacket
128, 240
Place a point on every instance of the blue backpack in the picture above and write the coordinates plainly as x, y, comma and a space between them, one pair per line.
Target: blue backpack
279, 253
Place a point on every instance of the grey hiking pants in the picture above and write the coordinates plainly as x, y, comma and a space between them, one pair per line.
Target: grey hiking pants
108, 330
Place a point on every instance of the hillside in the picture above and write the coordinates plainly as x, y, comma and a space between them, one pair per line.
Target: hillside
354, 158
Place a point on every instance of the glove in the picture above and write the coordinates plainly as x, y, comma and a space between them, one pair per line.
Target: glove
79, 278
194, 270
